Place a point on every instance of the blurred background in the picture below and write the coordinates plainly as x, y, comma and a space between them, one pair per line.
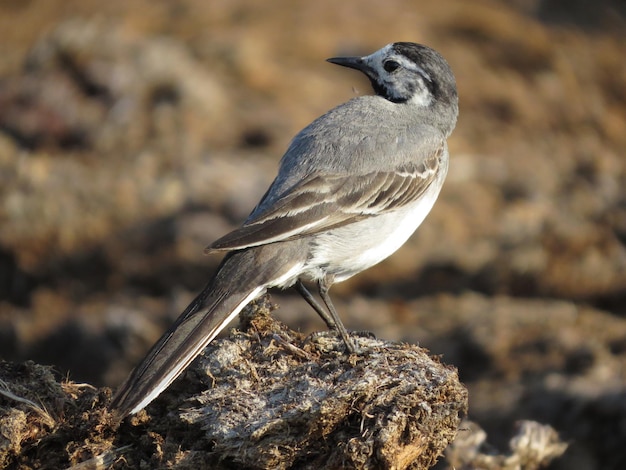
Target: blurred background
132, 134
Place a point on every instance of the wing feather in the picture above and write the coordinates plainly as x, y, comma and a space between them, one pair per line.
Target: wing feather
322, 202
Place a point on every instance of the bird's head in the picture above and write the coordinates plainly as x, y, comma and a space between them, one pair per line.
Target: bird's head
405, 72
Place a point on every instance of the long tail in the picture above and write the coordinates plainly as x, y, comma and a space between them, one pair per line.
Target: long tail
239, 280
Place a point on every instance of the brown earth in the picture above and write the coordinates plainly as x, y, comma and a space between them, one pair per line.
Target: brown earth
134, 133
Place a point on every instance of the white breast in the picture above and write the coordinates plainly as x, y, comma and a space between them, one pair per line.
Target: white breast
348, 250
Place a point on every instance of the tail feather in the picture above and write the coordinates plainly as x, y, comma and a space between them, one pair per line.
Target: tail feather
234, 286
177, 348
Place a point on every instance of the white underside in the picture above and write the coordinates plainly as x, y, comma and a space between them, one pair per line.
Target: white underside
288, 279
349, 250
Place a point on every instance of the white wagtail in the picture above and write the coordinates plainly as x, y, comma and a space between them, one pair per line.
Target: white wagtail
352, 187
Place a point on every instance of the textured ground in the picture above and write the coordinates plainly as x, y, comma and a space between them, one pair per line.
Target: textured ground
133, 134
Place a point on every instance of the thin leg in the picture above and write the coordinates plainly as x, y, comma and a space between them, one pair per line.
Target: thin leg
306, 295
323, 288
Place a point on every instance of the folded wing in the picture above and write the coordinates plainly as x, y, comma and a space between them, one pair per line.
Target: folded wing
321, 202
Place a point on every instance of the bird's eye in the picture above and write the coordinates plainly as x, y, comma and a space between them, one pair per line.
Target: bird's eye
391, 66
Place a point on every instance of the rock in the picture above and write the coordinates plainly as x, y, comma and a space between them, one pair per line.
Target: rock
265, 397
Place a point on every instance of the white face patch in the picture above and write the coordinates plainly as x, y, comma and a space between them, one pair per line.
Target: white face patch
394, 85
423, 97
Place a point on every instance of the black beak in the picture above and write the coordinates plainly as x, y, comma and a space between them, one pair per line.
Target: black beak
356, 63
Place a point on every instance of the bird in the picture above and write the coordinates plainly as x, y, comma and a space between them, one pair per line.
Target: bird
351, 188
